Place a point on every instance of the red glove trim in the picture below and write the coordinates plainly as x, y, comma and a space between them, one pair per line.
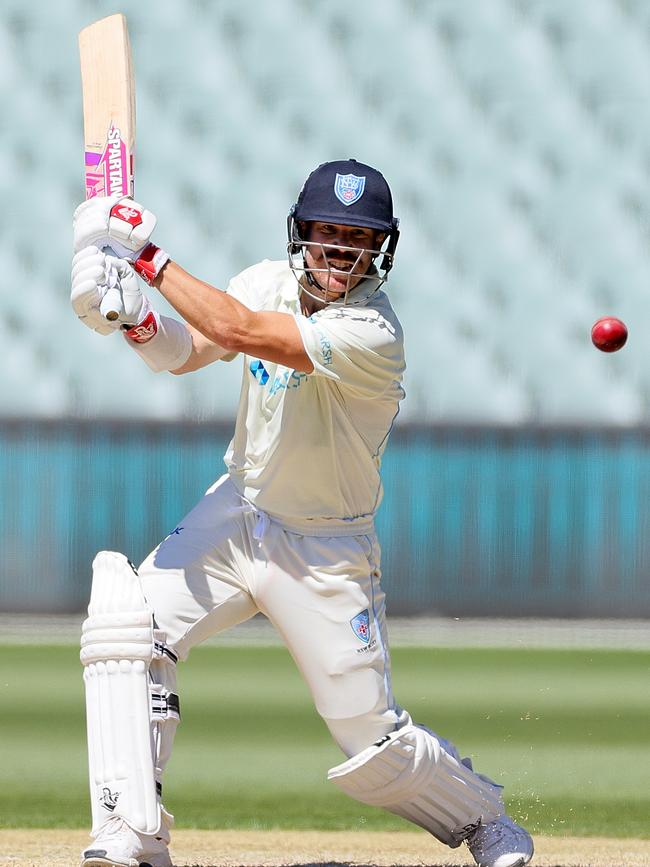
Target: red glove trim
126, 213
145, 330
150, 263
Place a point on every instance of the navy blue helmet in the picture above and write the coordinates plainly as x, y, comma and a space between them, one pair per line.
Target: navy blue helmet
348, 193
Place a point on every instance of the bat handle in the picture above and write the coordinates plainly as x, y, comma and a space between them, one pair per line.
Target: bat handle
111, 305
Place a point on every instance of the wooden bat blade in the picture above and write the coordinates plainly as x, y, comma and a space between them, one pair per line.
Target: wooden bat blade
108, 89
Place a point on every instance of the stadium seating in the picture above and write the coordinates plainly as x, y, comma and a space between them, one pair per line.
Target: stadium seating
514, 135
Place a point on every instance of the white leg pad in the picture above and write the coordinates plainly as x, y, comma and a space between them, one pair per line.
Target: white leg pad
410, 773
123, 707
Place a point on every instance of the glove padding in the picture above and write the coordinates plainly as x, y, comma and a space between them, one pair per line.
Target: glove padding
114, 221
96, 274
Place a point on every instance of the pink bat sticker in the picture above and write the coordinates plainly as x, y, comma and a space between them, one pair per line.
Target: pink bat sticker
109, 172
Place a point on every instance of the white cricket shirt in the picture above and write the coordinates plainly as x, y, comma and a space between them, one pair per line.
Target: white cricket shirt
307, 447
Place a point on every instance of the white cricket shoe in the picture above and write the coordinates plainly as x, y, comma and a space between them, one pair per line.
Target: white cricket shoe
501, 843
118, 845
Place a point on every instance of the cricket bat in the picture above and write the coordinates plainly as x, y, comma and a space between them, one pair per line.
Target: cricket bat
108, 89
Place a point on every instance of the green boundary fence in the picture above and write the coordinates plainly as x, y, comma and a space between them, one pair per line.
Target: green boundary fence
475, 521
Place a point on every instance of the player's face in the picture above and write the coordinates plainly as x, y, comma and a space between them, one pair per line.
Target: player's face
340, 255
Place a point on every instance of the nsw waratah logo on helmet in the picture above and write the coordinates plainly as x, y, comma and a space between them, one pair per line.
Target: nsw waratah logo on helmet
349, 188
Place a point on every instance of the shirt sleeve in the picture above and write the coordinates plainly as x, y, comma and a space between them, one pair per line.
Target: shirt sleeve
242, 288
251, 286
238, 287
359, 348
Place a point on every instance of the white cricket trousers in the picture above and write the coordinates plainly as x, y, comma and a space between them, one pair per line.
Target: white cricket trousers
226, 561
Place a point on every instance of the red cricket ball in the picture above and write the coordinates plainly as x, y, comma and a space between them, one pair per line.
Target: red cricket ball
609, 334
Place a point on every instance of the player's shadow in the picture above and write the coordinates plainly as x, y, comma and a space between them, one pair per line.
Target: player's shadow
347, 864
343, 864
333, 864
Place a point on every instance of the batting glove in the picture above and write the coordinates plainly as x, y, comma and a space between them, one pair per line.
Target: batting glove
113, 221
101, 282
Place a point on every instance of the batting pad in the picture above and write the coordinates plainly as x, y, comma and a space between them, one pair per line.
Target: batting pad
409, 773
117, 647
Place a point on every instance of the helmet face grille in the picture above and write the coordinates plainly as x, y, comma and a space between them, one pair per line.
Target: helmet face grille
315, 281
348, 193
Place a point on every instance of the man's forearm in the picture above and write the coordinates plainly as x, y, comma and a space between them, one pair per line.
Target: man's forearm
203, 352
218, 317
224, 321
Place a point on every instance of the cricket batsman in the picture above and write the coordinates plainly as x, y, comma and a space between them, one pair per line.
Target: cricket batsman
288, 530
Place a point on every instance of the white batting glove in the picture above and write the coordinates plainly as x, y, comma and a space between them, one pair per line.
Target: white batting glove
113, 221
97, 279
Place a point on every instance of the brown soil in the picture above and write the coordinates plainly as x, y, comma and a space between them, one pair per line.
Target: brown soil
57, 848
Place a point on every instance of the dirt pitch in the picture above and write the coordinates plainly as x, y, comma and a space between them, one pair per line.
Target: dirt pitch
56, 848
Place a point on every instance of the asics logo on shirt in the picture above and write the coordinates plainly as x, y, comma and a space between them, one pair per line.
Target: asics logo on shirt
258, 370
288, 379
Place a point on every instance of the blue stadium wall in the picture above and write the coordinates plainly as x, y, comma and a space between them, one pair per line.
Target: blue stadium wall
510, 522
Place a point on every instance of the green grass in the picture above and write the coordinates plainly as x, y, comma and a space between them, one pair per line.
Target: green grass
565, 731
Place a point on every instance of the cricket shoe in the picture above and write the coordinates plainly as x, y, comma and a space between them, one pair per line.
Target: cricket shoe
118, 845
500, 843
